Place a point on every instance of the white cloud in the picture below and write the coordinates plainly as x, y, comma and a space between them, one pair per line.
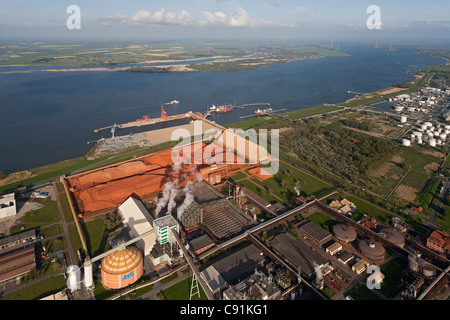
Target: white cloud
240, 18
183, 18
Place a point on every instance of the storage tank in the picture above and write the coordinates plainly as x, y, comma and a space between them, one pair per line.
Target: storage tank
406, 143
423, 127
427, 270
413, 263
432, 142
393, 236
372, 250
344, 233
436, 133
419, 141
73, 278
398, 108
122, 268
443, 136
418, 134
447, 127
428, 124
403, 119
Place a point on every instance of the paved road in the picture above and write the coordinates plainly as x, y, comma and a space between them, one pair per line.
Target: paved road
442, 198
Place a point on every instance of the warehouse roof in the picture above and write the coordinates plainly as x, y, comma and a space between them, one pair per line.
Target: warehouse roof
136, 215
315, 232
297, 252
236, 265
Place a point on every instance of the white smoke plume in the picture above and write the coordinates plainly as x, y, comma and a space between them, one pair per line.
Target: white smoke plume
318, 271
297, 190
173, 195
187, 201
162, 202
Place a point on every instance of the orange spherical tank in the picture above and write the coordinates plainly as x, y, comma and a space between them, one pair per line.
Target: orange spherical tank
122, 268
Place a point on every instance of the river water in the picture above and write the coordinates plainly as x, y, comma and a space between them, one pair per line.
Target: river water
48, 117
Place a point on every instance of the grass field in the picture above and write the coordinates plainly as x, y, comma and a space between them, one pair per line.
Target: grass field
38, 290
392, 271
181, 291
364, 207
310, 112
322, 220
48, 214
96, 236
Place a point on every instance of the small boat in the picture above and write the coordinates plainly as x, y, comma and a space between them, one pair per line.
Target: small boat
174, 102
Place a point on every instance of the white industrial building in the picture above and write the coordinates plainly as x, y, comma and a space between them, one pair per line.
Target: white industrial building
139, 221
7, 206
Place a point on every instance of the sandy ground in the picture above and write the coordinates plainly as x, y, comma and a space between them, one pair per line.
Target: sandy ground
431, 167
397, 159
435, 154
406, 193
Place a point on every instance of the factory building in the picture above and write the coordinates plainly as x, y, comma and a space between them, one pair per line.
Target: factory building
166, 249
344, 256
139, 221
232, 268
311, 230
334, 248
7, 206
17, 255
360, 266
201, 244
210, 211
256, 287
439, 241
122, 268
297, 253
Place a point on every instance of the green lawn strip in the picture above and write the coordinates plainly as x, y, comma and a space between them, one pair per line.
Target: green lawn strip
363, 293
238, 176
51, 231
96, 236
328, 292
169, 278
323, 221
75, 240
302, 113
259, 191
55, 244
39, 290
181, 291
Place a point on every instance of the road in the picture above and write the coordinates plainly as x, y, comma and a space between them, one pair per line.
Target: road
442, 199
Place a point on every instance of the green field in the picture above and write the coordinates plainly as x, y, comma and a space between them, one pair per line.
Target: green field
364, 207
392, 271
181, 291
310, 112
40, 218
39, 290
323, 221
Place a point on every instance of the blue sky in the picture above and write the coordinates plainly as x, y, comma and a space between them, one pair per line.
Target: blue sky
322, 19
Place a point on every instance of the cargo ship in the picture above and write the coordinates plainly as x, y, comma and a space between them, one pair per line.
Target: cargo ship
222, 109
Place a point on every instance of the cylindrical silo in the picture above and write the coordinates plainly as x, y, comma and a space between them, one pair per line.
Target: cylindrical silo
73, 278
122, 268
